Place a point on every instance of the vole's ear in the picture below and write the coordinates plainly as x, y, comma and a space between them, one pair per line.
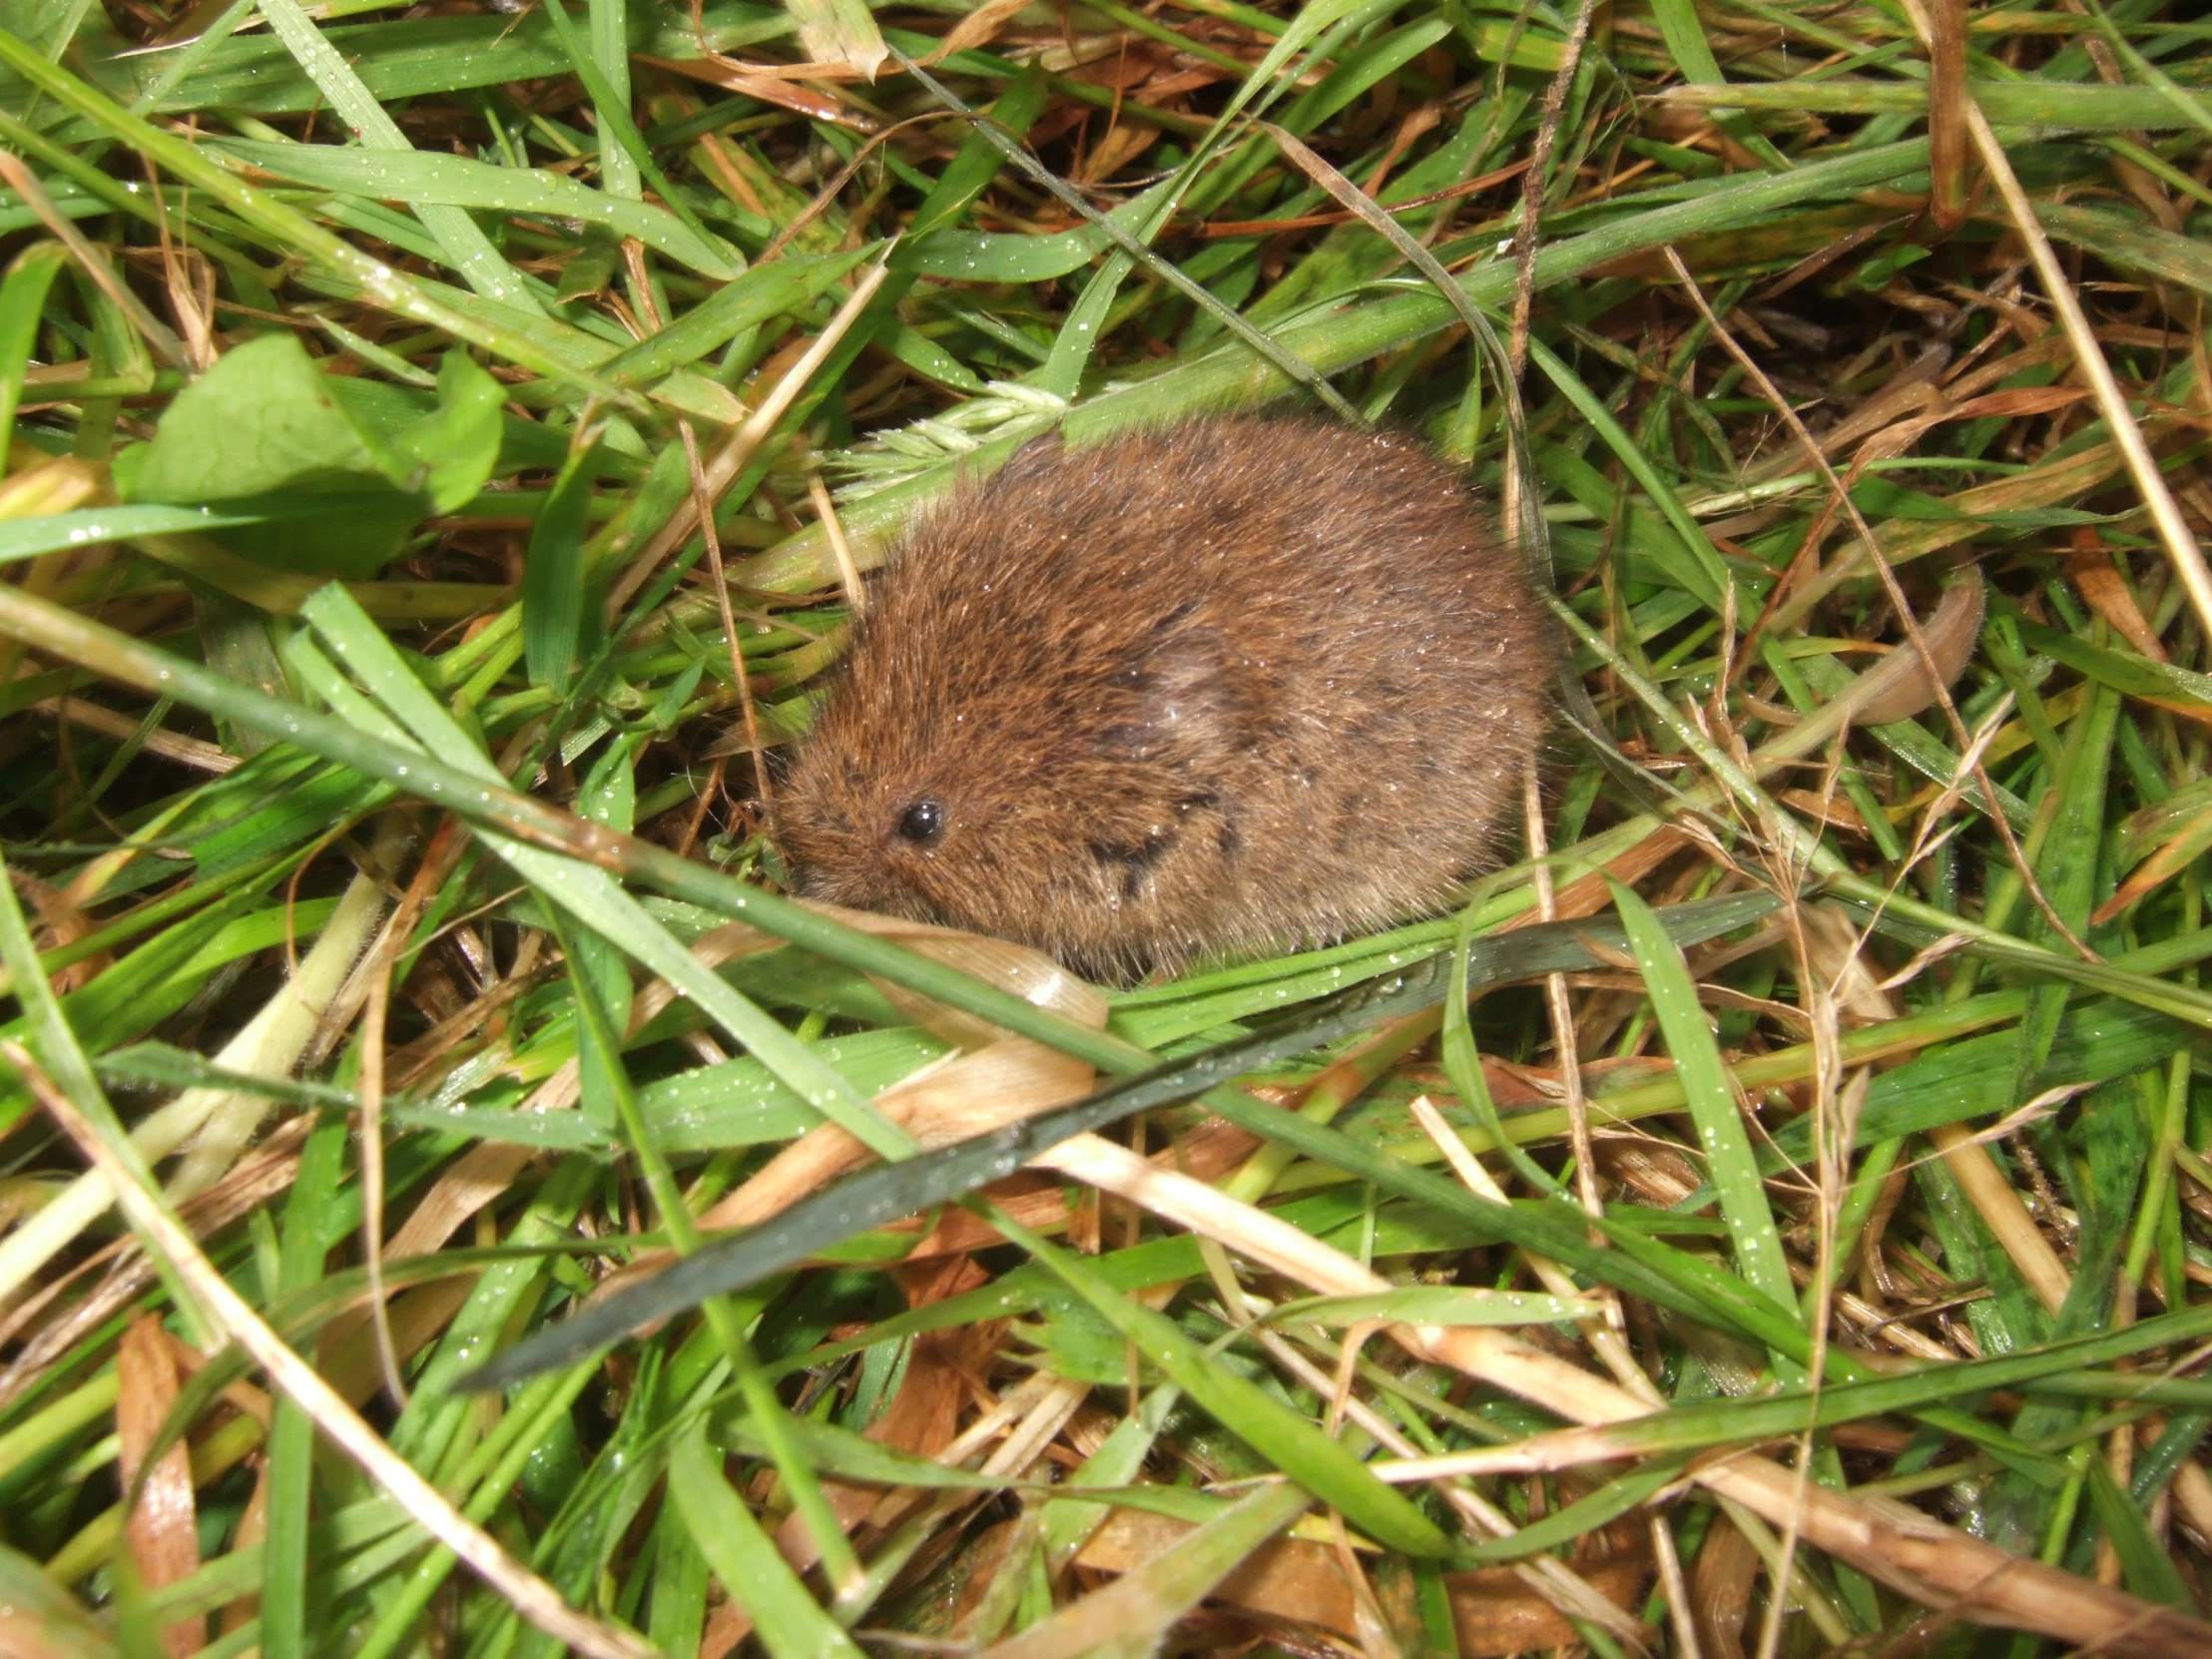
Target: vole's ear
1037, 455
1183, 698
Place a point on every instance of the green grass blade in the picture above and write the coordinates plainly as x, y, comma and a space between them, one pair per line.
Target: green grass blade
1711, 1098
791, 1623
554, 596
22, 297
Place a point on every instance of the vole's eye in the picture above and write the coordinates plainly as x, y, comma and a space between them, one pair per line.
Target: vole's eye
922, 823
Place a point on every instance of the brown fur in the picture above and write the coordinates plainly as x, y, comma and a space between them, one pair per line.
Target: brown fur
1245, 683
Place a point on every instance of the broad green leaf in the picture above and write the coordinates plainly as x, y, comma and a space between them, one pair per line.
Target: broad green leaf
261, 424
455, 447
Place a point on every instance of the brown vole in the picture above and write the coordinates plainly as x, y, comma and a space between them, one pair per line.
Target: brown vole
1244, 683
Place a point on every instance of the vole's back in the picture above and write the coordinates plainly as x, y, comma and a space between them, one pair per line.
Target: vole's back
1241, 684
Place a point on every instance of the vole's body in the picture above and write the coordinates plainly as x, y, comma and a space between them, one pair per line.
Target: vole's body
1239, 684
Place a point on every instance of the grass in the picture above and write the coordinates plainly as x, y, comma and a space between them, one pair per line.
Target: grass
1769, 1215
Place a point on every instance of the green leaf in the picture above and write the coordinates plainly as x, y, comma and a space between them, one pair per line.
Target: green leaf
1698, 568
1463, 1067
589, 892
2150, 1573
761, 292
462, 240
44, 1620
1132, 1617
850, 1456
457, 446
2123, 671
284, 1557
996, 257
261, 424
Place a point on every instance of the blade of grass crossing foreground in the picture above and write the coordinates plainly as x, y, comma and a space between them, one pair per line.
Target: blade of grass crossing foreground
1711, 1098
791, 1623
887, 1192
589, 892
1324, 1467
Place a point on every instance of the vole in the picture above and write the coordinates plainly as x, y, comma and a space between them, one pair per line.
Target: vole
1241, 684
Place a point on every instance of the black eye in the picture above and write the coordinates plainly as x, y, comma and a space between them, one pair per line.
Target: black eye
922, 823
